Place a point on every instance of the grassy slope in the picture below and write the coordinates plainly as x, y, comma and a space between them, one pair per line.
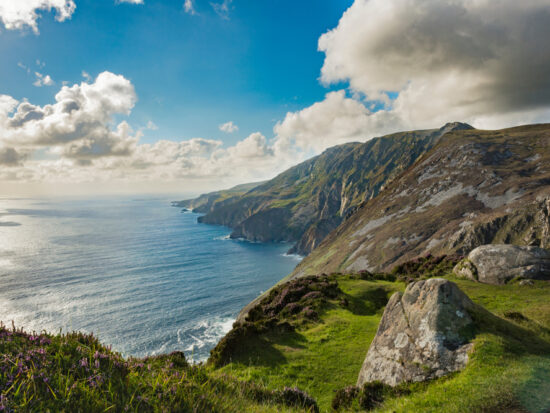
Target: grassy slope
325, 356
509, 369
75, 373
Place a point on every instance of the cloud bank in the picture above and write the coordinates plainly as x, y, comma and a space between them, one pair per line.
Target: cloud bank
76, 140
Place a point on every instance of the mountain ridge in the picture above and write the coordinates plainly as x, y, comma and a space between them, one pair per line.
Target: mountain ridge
475, 187
305, 203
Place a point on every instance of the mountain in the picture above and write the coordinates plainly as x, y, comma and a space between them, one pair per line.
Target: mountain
473, 188
305, 203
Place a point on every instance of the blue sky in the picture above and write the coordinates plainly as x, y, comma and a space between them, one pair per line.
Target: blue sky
293, 77
191, 72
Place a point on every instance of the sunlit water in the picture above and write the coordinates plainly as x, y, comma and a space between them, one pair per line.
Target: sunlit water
140, 274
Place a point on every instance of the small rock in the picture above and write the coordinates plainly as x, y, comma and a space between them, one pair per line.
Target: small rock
526, 282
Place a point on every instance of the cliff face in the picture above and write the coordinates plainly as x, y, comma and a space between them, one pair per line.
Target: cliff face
206, 202
473, 188
305, 203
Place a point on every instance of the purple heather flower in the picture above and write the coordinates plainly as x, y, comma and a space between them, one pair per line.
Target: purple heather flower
96, 364
84, 362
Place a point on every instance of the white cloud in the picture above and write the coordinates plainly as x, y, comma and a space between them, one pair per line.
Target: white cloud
467, 60
254, 146
25, 68
131, 1
86, 76
189, 7
74, 141
222, 9
151, 125
42, 80
335, 120
18, 14
78, 125
228, 127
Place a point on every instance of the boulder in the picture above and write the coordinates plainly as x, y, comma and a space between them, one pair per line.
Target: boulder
424, 334
498, 264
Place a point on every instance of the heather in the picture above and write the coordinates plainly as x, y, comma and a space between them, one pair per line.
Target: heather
74, 372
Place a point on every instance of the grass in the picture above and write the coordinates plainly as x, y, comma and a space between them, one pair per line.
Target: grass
509, 368
319, 358
75, 373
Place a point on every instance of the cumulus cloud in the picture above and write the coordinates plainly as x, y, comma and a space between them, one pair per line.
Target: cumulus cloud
335, 120
470, 60
42, 80
18, 14
78, 125
189, 7
229, 127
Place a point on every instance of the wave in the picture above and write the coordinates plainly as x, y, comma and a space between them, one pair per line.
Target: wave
296, 257
203, 336
222, 238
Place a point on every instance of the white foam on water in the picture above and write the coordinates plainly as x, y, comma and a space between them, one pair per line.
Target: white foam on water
205, 334
222, 238
296, 257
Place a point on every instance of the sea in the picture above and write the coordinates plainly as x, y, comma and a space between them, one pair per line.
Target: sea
143, 276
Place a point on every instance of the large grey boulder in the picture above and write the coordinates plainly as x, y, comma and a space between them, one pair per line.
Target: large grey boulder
498, 264
424, 334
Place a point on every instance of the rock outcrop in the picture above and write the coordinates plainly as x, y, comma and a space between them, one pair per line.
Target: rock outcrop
498, 264
424, 334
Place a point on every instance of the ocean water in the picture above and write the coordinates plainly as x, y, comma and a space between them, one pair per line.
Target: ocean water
143, 276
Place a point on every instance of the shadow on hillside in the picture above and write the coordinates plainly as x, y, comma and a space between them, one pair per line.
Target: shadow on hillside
516, 339
260, 350
367, 302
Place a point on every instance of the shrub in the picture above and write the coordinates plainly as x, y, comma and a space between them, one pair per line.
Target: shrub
298, 398
515, 315
343, 398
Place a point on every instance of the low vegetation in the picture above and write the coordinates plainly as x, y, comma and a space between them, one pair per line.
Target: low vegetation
300, 349
75, 373
509, 368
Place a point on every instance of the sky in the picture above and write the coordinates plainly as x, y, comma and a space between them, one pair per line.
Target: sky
186, 96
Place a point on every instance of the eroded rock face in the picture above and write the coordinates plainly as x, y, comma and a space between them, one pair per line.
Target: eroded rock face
498, 264
424, 334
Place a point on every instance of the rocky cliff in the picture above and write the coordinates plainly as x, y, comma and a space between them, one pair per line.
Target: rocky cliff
305, 203
207, 202
473, 188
